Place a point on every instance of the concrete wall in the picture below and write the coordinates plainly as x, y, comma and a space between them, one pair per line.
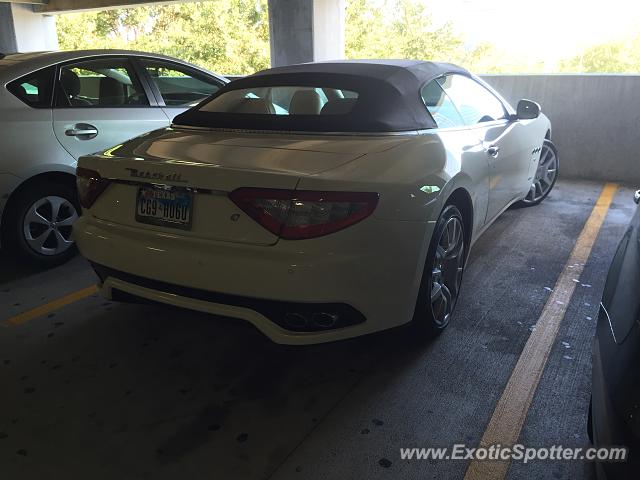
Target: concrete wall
291, 31
23, 30
306, 30
7, 33
328, 29
595, 118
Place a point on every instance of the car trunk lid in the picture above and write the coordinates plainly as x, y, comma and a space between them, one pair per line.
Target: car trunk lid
211, 164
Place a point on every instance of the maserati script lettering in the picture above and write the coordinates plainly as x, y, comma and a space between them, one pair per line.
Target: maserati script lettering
170, 177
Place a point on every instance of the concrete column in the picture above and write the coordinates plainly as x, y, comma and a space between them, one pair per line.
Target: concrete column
306, 30
23, 30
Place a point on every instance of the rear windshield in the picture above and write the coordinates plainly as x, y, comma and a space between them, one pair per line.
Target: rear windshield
283, 100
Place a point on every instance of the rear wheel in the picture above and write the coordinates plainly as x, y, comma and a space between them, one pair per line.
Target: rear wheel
40, 221
545, 177
442, 277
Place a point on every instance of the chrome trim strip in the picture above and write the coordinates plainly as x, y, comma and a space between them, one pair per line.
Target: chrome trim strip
343, 134
604, 309
199, 190
296, 132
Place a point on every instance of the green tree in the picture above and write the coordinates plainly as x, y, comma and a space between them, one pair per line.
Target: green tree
365, 30
419, 39
228, 36
397, 29
405, 29
613, 57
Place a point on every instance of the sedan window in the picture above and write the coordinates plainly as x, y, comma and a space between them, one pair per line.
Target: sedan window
180, 86
475, 103
34, 89
103, 82
440, 106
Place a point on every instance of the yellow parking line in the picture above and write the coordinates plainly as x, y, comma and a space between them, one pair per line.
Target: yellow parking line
511, 410
29, 315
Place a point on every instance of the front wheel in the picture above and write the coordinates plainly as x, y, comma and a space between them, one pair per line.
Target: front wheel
545, 177
442, 277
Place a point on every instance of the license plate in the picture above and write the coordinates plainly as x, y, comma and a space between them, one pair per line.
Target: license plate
167, 207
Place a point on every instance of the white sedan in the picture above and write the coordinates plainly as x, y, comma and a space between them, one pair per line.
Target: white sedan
318, 201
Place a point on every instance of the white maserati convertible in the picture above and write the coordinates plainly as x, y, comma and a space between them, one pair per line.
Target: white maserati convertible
318, 201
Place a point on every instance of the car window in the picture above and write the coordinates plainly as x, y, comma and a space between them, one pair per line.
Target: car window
103, 82
180, 86
284, 100
34, 89
475, 103
440, 106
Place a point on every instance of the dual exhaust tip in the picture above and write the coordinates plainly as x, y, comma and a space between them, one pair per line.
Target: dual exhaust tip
314, 321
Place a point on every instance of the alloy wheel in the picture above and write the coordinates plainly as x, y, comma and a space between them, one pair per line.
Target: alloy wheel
545, 175
47, 225
446, 274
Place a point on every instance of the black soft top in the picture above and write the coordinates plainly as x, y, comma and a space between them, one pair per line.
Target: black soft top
389, 97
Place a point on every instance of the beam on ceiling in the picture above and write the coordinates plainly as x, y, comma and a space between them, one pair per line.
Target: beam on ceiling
31, 2
67, 6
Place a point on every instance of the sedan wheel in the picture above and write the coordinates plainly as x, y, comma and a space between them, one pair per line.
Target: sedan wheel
39, 222
47, 225
443, 273
546, 175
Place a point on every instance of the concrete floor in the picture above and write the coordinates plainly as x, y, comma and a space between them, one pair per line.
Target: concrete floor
102, 390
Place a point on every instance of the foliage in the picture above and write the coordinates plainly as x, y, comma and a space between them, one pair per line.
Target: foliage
409, 33
232, 37
228, 36
614, 57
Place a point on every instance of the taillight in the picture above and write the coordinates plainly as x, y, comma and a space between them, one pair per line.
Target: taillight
300, 214
90, 186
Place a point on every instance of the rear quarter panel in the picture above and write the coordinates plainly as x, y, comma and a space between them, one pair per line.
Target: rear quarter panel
28, 142
416, 177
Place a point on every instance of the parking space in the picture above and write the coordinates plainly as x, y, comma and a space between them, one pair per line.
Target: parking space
102, 390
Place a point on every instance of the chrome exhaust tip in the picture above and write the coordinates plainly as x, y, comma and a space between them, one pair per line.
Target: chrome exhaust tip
325, 319
296, 320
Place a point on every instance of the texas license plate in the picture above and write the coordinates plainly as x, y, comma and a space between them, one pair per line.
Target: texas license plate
164, 206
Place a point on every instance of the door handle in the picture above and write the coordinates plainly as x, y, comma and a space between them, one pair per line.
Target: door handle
74, 132
493, 151
83, 131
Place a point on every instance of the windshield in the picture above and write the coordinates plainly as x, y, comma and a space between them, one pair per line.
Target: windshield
284, 100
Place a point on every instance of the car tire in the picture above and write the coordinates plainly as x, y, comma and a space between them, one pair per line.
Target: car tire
39, 222
442, 276
545, 177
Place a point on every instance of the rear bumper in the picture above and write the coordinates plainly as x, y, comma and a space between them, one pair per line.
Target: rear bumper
317, 315
369, 273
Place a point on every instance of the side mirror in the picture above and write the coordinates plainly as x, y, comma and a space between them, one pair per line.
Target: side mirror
527, 110
637, 197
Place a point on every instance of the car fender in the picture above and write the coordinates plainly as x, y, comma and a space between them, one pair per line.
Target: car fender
42, 168
8, 184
